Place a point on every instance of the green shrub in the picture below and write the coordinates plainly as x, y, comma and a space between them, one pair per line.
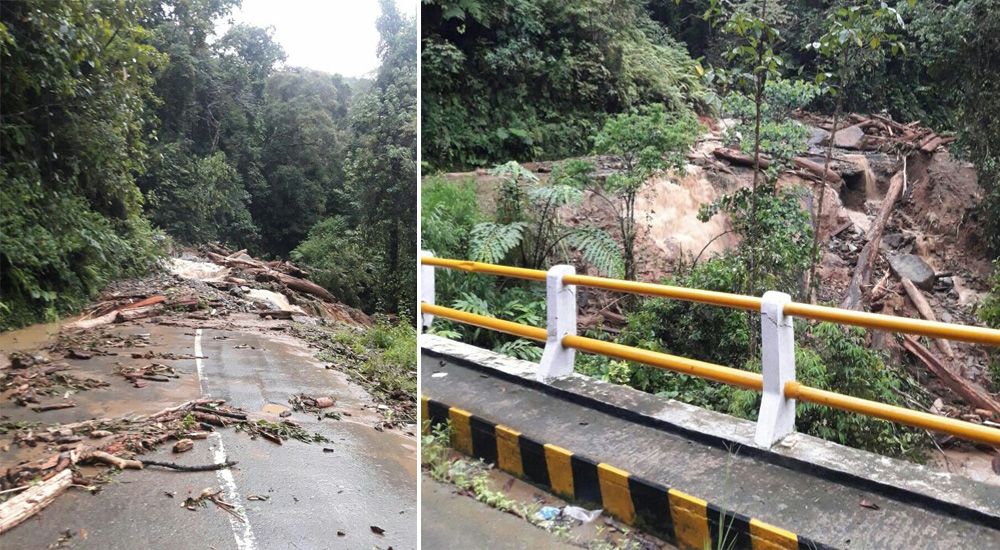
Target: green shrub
989, 312
339, 261
533, 80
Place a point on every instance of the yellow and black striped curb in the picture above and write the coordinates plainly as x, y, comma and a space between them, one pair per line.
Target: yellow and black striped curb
682, 519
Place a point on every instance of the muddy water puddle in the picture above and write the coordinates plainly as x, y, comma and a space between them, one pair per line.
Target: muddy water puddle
30, 338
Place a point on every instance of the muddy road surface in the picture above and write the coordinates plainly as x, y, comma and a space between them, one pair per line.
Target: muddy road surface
350, 482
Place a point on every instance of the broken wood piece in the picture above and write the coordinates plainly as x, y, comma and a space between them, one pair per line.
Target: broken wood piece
183, 446
926, 312
966, 389
116, 461
30, 501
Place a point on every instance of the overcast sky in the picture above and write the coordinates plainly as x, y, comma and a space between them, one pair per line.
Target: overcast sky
336, 36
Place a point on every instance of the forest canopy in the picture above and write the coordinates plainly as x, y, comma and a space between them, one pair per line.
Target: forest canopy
125, 125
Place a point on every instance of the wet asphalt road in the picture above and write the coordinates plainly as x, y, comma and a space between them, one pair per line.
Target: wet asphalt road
314, 499
481, 525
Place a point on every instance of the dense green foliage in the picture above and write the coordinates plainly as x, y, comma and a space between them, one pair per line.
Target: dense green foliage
989, 312
118, 117
527, 79
75, 95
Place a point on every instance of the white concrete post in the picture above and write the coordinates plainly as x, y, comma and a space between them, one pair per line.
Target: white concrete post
560, 305
777, 414
426, 289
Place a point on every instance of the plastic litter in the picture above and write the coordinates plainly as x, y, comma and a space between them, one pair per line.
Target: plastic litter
582, 514
439, 375
547, 513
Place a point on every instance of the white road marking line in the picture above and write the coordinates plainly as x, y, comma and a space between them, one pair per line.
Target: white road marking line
197, 361
242, 531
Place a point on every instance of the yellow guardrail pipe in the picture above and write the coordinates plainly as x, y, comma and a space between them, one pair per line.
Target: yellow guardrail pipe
927, 421
701, 369
933, 329
488, 269
508, 327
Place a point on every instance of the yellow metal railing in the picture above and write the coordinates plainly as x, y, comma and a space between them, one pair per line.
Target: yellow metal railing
933, 329
728, 375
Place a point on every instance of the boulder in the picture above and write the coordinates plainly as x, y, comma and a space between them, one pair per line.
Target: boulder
849, 138
914, 268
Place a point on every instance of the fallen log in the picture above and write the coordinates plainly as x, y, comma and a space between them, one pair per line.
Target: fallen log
29, 502
926, 312
734, 156
86, 324
135, 314
275, 314
863, 269
152, 300
964, 388
931, 145
817, 168
307, 287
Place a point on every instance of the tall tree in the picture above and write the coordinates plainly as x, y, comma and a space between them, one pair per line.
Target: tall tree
382, 161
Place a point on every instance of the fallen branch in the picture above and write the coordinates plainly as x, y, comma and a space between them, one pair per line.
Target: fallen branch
54, 406
184, 468
26, 504
116, 461
926, 312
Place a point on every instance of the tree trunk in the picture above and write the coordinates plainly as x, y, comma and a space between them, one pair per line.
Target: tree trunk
817, 219
964, 388
863, 269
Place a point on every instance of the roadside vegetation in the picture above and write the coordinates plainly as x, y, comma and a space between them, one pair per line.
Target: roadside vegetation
128, 125
381, 358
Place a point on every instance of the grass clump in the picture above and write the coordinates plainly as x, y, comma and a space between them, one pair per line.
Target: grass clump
381, 358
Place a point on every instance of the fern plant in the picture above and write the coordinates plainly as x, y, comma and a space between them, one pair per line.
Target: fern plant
529, 231
491, 242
